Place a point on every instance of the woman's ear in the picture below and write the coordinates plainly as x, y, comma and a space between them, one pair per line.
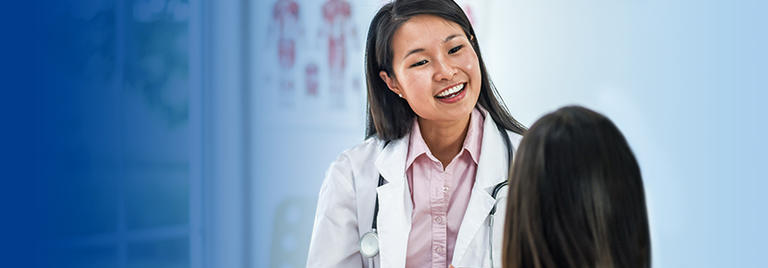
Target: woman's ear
391, 83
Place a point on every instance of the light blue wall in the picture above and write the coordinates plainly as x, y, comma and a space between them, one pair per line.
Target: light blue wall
684, 80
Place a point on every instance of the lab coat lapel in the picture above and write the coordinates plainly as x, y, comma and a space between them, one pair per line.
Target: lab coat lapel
395, 204
491, 170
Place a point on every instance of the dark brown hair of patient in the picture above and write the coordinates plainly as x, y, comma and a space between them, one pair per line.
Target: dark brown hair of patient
576, 197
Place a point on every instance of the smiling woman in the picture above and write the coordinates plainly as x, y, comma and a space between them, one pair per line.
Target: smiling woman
437, 77
439, 80
419, 192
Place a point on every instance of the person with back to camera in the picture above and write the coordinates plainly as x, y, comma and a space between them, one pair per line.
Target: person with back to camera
576, 196
424, 187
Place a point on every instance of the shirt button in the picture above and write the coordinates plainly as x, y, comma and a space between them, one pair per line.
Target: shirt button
445, 189
439, 249
438, 219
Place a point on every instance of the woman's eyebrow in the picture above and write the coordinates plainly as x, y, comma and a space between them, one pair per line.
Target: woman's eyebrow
413, 51
422, 50
451, 37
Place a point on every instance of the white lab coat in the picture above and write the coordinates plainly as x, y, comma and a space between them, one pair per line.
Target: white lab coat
347, 198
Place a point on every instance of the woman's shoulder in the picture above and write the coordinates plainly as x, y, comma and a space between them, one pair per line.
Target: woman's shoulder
357, 161
369, 146
359, 155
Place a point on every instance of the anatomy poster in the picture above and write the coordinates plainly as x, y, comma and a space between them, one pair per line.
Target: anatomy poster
309, 62
284, 33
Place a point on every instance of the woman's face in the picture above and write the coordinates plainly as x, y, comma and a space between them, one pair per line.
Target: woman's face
436, 69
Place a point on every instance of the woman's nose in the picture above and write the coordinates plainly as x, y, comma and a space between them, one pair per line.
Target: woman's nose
444, 70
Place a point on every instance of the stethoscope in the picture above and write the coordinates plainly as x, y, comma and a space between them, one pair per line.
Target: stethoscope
369, 243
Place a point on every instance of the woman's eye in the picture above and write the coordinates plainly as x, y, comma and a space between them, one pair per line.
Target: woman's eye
455, 49
422, 62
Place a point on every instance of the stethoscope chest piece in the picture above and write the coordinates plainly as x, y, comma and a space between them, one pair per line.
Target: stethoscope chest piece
369, 244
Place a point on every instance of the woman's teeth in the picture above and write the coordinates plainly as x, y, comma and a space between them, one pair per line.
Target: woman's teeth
450, 91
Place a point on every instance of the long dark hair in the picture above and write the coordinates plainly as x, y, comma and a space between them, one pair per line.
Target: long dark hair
576, 197
389, 116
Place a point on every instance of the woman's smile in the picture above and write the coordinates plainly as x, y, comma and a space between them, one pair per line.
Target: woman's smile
452, 94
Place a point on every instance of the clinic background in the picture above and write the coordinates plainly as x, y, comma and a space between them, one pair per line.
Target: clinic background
194, 133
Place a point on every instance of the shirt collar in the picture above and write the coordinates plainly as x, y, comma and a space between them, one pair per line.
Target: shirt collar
472, 142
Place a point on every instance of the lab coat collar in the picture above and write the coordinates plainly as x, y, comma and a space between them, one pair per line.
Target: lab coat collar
491, 170
391, 160
493, 164
395, 204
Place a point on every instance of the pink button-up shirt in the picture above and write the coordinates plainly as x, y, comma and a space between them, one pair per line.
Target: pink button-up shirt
440, 195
